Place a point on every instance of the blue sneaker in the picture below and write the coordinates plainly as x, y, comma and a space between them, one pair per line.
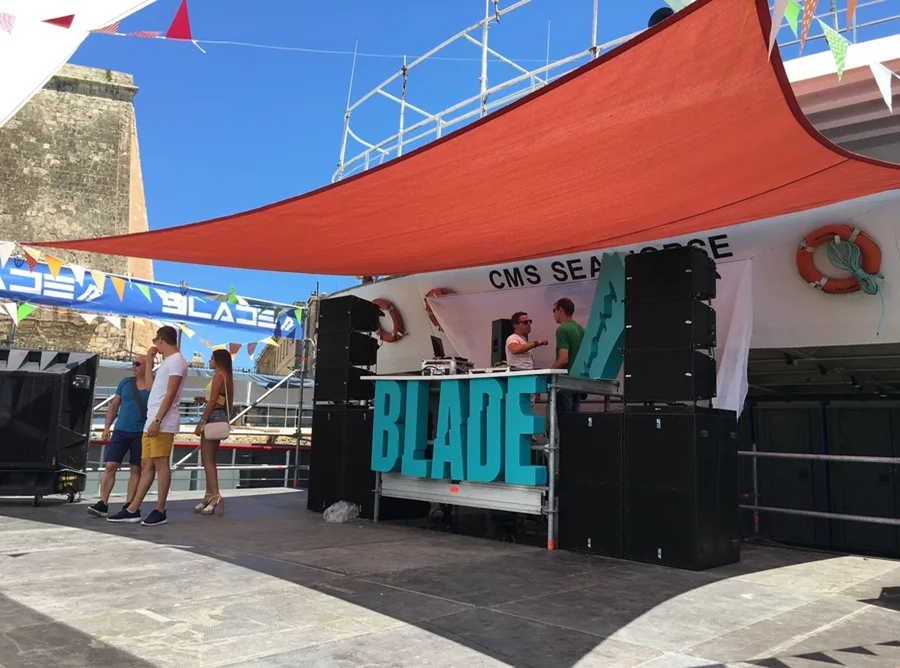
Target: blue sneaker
155, 519
125, 515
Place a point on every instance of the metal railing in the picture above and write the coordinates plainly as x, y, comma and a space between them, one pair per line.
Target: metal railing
856, 459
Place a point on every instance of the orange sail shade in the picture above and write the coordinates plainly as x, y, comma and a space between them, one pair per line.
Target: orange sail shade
689, 127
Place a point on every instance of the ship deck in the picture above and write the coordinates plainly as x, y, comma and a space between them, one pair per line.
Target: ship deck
269, 584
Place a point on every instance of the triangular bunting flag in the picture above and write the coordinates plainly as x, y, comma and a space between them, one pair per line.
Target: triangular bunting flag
792, 13
839, 45
809, 13
269, 341
25, 310
851, 13
777, 19
78, 273
232, 296
111, 29
145, 33
119, 285
12, 310
99, 279
54, 264
61, 21
88, 317
7, 22
234, 348
187, 330
251, 348
114, 320
208, 344
884, 78
181, 24
6, 249
298, 313
145, 291
219, 346
32, 257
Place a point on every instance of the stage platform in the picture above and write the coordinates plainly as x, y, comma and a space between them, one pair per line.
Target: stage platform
269, 584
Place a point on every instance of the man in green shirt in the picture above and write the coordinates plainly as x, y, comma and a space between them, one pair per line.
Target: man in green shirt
568, 340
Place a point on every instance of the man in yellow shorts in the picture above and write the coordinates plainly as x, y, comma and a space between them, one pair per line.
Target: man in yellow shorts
163, 422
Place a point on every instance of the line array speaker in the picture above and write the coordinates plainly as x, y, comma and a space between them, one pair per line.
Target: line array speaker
347, 314
669, 375
686, 323
686, 271
346, 348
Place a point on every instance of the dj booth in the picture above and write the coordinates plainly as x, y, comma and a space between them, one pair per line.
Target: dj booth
496, 397
652, 477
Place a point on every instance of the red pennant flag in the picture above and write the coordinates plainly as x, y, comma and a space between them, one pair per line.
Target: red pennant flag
109, 30
251, 348
181, 24
234, 348
809, 13
62, 21
851, 13
144, 33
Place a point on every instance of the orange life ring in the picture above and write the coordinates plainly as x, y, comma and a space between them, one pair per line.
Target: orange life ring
437, 292
871, 257
396, 318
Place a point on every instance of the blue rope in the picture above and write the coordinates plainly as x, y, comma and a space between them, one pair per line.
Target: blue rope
847, 256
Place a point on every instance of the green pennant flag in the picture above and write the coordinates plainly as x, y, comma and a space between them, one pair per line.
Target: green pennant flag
25, 310
792, 13
145, 291
298, 313
839, 45
232, 296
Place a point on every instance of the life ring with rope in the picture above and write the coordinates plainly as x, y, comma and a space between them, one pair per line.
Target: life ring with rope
396, 319
869, 261
437, 292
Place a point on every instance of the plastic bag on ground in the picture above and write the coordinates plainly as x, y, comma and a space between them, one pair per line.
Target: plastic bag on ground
340, 512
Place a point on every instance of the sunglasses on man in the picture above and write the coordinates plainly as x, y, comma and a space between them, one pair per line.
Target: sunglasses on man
525, 322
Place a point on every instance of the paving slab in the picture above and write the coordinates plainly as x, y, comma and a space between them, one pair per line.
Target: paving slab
270, 584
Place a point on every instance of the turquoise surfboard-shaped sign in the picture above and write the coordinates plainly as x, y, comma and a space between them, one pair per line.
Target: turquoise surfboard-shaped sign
602, 350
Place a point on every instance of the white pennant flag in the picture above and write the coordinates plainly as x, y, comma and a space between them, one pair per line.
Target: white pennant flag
88, 317
884, 77
13, 310
6, 249
78, 272
114, 320
777, 19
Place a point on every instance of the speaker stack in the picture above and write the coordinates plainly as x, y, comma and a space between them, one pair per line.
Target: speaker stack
658, 482
46, 400
500, 331
339, 465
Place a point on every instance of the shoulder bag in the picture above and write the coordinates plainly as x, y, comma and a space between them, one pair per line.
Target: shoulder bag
217, 431
138, 398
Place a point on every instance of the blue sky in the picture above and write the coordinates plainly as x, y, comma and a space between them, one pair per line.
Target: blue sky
238, 127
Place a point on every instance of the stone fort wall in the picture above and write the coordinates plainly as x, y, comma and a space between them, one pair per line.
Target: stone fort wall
70, 168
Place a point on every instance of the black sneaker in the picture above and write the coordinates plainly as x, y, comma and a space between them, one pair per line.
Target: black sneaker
99, 509
125, 515
155, 518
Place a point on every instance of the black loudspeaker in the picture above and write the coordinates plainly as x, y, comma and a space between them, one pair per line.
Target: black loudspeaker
346, 314
340, 467
500, 331
669, 323
681, 487
346, 348
686, 271
342, 383
590, 483
669, 375
45, 409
